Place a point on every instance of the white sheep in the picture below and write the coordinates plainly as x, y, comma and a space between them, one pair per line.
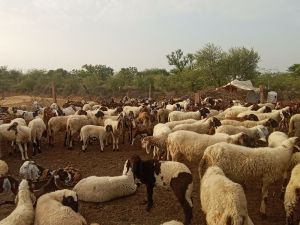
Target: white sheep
58, 208
68, 111
32, 171
178, 115
233, 111
258, 132
192, 145
201, 127
115, 128
276, 139
241, 163
38, 128
294, 125
102, 189
3, 168
172, 222
23, 214
172, 124
91, 131
134, 109
56, 124
291, 196
249, 123
158, 142
222, 201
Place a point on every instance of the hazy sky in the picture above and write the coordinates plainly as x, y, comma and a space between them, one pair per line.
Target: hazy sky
51, 34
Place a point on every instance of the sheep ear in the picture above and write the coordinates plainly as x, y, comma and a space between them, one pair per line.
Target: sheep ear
13, 126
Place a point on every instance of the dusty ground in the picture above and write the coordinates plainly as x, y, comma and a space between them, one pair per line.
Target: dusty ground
129, 210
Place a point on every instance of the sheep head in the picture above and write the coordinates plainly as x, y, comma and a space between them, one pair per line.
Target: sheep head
271, 123
250, 117
108, 128
70, 199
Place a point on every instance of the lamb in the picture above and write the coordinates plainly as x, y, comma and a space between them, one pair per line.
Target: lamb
294, 125
115, 128
76, 122
258, 132
91, 131
162, 115
3, 168
58, 208
223, 201
38, 129
34, 172
177, 115
241, 163
18, 133
201, 127
249, 123
291, 196
192, 145
55, 125
174, 175
23, 214
102, 189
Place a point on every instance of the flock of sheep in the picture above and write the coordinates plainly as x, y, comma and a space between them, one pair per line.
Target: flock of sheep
232, 145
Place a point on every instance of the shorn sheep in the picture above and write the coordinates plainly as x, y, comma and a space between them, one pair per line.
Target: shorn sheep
88, 132
241, 163
167, 174
291, 196
102, 189
58, 208
223, 201
23, 214
55, 125
38, 129
192, 145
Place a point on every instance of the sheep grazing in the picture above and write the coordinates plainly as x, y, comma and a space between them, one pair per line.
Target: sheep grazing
58, 208
258, 132
294, 125
23, 214
177, 115
55, 125
3, 168
22, 137
192, 145
102, 189
241, 163
38, 129
201, 127
291, 196
88, 132
223, 201
174, 175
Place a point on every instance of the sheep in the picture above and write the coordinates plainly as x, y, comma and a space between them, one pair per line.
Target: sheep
68, 111
173, 107
91, 131
258, 132
291, 195
172, 124
38, 129
115, 128
76, 122
53, 184
223, 201
134, 109
177, 115
295, 159
27, 116
201, 127
58, 208
192, 145
241, 163
174, 175
33, 172
8, 188
270, 105
102, 189
294, 128
249, 123
276, 138
162, 115
234, 111
23, 137
55, 125
23, 214
172, 222
158, 142
3, 168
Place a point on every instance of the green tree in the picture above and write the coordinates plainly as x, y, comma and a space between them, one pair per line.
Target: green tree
295, 70
180, 61
102, 71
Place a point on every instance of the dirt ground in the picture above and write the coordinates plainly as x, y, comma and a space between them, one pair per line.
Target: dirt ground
129, 210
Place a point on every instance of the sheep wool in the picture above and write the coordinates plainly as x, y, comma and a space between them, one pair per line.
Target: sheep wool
172, 222
3, 168
223, 201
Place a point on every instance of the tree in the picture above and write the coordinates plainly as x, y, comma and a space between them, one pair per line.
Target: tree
241, 63
210, 61
180, 61
295, 70
102, 71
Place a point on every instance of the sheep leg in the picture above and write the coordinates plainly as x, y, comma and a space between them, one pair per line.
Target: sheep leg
34, 148
117, 143
84, 144
21, 150
114, 142
101, 144
39, 146
25, 147
264, 198
149, 196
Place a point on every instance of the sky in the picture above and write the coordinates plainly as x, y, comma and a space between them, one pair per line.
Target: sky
50, 34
